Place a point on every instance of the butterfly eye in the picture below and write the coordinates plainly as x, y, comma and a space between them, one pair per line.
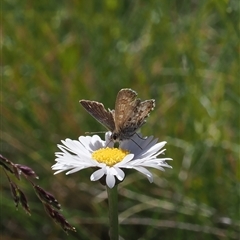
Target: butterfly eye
114, 136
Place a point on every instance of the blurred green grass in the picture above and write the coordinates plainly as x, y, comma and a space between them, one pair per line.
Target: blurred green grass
184, 54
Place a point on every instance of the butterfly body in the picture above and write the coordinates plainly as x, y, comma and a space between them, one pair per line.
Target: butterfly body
129, 115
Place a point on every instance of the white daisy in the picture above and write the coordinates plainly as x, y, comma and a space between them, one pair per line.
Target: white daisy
92, 151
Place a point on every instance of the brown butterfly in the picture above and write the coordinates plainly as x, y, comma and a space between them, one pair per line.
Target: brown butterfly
129, 114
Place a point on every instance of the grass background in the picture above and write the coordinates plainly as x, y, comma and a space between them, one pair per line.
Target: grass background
184, 54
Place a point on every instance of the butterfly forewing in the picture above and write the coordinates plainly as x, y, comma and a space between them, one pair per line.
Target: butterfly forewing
124, 107
98, 111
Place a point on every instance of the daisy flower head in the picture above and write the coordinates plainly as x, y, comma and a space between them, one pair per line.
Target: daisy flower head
92, 152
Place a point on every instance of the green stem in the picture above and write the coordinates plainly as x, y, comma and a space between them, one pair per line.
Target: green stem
113, 212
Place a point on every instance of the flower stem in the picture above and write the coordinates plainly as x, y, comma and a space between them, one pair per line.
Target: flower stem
113, 212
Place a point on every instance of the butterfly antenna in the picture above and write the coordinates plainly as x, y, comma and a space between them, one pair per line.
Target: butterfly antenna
140, 136
136, 142
91, 133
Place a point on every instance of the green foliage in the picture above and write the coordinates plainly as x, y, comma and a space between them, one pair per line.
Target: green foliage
184, 54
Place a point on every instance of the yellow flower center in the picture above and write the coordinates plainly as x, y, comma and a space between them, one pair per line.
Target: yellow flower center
109, 156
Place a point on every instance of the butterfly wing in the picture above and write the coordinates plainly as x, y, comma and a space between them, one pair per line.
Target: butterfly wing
124, 106
142, 112
98, 111
130, 112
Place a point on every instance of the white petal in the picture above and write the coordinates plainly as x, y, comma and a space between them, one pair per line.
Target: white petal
108, 141
145, 172
86, 141
119, 173
96, 143
154, 149
62, 170
153, 166
110, 180
97, 174
76, 169
76, 148
126, 159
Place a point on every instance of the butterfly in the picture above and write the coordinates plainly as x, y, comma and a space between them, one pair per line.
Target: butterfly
129, 115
